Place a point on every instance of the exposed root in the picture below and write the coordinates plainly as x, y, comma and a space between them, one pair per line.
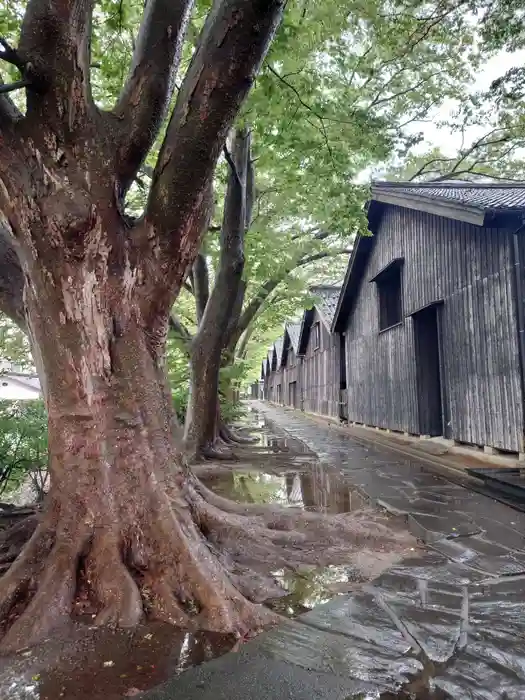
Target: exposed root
195, 560
51, 604
164, 606
113, 586
231, 436
215, 452
14, 538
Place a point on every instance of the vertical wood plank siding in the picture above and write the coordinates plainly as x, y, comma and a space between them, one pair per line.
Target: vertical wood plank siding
320, 373
291, 373
470, 269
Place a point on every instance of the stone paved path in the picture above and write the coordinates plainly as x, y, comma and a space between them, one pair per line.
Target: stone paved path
447, 625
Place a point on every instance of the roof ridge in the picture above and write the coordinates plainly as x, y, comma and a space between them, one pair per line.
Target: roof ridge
459, 184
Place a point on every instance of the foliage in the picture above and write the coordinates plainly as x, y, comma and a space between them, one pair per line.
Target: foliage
14, 344
344, 89
178, 376
23, 445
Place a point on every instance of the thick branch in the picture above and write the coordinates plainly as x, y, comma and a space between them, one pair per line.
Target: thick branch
145, 98
11, 87
201, 285
233, 43
11, 281
9, 113
55, 49
219, 308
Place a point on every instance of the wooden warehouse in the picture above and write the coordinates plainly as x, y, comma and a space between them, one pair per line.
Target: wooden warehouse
432, 313
320, 351
265, 375
291, 366
276, 373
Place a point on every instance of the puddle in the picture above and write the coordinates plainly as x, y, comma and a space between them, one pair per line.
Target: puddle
317, 489
107, 664
310, 587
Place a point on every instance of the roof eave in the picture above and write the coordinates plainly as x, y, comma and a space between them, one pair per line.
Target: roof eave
431, 205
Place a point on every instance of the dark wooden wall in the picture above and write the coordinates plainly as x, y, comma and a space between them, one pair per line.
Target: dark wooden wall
292, 373
470, 269
320, 373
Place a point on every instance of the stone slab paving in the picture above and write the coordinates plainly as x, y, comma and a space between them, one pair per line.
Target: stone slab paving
447, 624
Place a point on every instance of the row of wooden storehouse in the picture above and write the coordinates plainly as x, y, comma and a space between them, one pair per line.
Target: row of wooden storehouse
427, 333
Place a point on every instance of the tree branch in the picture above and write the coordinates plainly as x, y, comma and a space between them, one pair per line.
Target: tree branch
54, 47
142, 105
181, 332
214, 325
233, 43
17, 85
270, 285
9, 113
11, 55
11, 281
201, 285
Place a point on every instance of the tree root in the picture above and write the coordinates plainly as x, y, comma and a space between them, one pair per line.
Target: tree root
113, 586
194, 559
230, 436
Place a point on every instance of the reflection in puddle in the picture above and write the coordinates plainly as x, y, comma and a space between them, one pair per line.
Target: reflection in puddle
319, 489
111, 664
310, 587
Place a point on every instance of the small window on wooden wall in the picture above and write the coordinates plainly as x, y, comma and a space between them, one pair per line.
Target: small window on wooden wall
389, 295
316, 338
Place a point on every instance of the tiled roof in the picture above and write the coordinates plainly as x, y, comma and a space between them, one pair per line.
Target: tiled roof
491, 196
294, 330
327, 301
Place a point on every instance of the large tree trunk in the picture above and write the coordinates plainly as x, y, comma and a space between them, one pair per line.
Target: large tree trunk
124, 521
215, 312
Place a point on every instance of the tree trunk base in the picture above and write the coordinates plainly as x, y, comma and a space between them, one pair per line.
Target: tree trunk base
193, 559
232, 438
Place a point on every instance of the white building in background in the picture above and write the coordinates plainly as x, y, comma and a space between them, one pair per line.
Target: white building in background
16, 384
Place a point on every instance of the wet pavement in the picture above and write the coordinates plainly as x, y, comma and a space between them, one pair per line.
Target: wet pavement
447, 624
450, 623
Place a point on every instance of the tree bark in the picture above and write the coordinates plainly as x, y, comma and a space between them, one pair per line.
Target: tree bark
202, 428
125, 521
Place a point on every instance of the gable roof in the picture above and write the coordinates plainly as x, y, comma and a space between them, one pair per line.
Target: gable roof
268, 361
293, 330
326, 305
475, 203
277, 354
290, 338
